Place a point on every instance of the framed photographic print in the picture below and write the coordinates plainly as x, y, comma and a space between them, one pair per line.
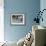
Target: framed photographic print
17, 19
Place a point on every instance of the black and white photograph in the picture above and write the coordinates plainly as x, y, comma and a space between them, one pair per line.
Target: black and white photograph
17, 19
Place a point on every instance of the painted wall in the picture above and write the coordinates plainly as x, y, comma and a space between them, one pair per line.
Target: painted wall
26, 7
1, 21
43, 6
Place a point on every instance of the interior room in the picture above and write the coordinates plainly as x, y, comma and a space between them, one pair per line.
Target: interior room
22, 23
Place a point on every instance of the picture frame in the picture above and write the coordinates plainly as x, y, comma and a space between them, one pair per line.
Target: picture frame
17, 19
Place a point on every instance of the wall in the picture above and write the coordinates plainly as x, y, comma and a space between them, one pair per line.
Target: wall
26, 7
1, 21
43, 6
